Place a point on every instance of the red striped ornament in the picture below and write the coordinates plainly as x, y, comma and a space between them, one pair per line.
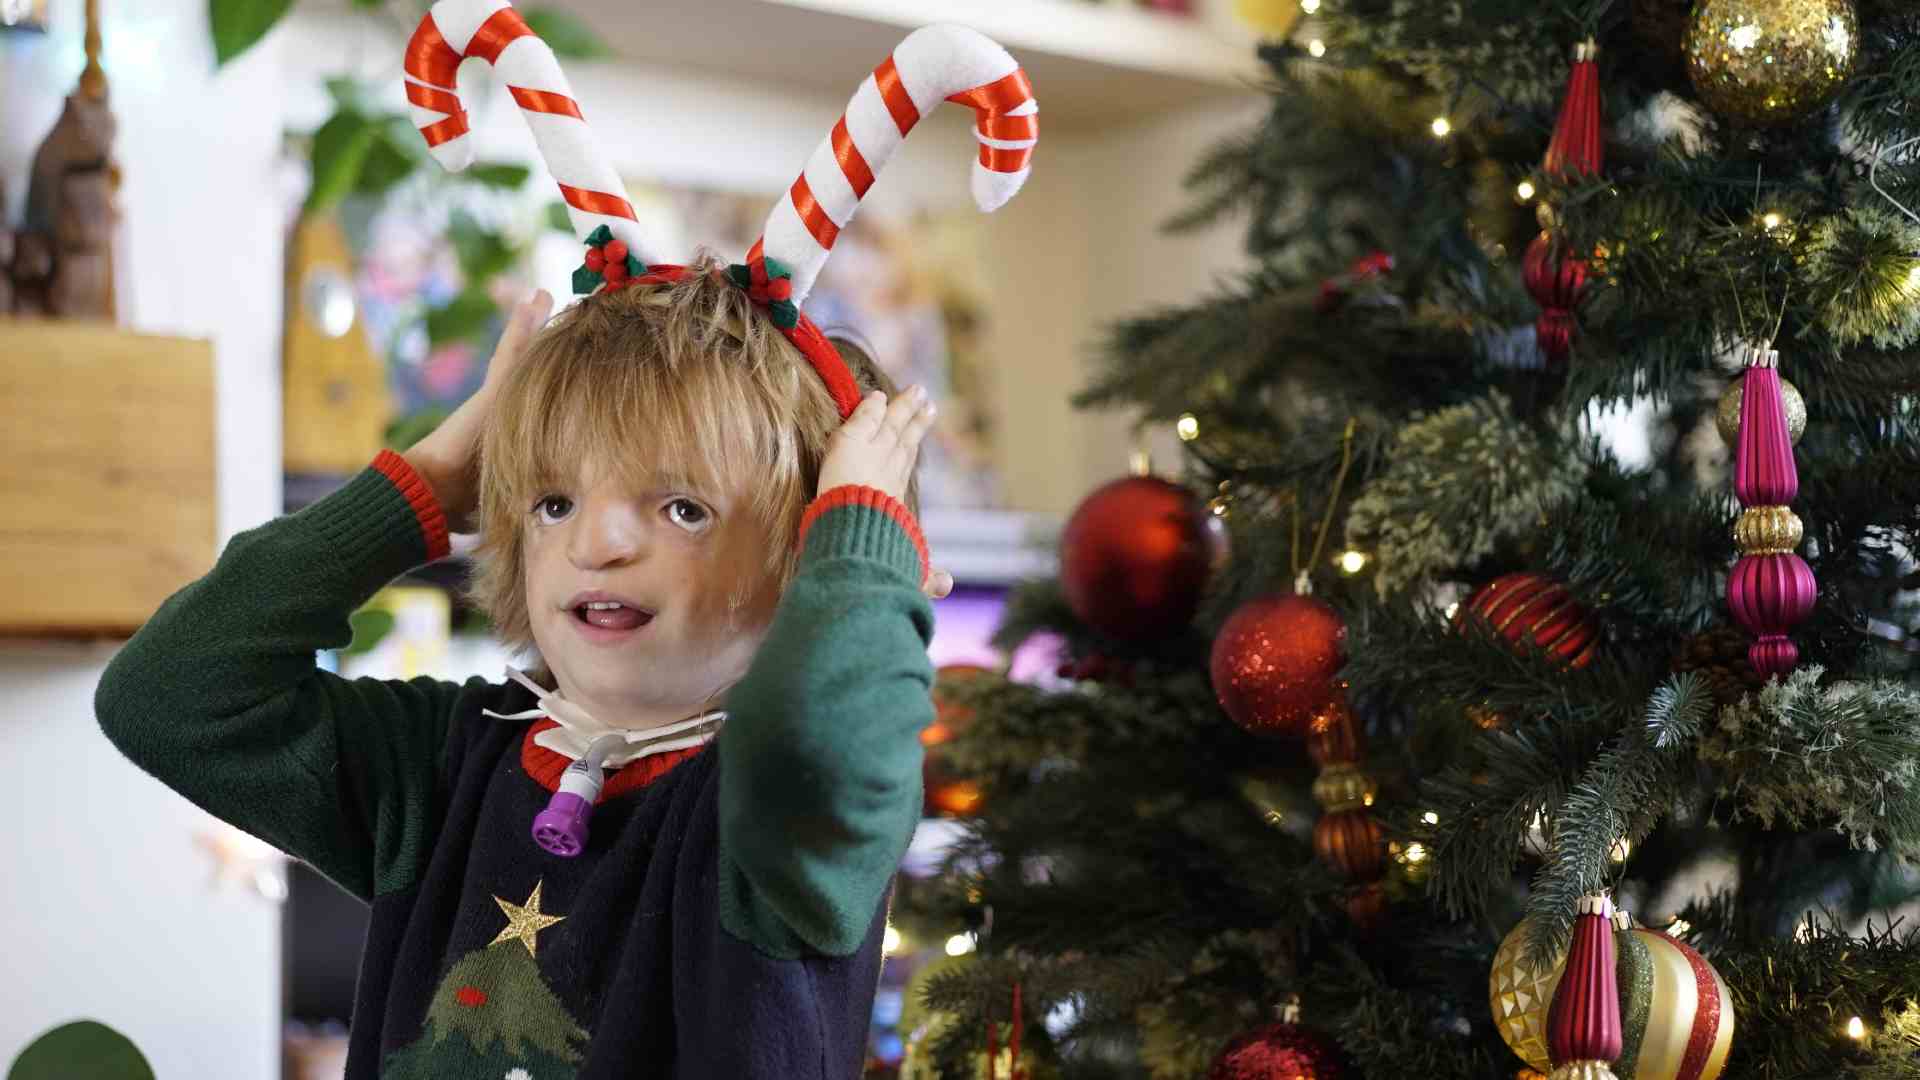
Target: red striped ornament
1527, 608
1677, 1014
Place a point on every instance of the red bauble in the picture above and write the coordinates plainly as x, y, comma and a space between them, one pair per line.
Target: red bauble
946, 794
1275, 663
1535, 608
1135, 557
1279, 1052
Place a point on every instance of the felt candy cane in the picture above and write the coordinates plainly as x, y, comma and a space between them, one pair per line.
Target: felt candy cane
490, 29
934, 64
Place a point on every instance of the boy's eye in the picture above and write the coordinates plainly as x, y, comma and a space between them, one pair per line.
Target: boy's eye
689, 515
556, 506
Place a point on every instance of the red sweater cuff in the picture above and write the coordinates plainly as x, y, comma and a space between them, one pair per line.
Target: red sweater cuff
426, 508
873, 499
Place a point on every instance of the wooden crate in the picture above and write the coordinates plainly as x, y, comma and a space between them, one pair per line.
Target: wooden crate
107, 468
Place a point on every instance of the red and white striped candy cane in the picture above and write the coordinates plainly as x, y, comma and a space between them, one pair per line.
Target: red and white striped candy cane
490, 29
934, 64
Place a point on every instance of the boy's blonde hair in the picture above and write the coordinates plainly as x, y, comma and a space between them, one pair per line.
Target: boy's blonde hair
684, 381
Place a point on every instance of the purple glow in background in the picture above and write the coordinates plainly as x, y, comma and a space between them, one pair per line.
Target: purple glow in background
963, 634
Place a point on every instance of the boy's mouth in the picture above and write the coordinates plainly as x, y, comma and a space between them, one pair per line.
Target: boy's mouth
612, 615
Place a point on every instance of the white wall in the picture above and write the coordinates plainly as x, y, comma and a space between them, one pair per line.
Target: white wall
1081, 247
119, 920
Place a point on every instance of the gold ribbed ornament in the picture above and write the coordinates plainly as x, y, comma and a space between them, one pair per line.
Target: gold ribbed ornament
1583, 1070
1342, 786
1767, 530
1520, 997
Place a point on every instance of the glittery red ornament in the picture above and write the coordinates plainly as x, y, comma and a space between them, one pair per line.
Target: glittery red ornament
1136, 555
1279, 1052
1535, 608
946, 794
1275, 663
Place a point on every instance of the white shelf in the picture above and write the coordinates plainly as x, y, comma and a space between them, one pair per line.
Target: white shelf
1092, 64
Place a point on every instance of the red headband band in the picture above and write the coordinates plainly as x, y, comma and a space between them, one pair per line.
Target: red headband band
766, 282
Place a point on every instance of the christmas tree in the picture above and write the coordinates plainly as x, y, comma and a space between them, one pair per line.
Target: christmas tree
1543, 541
493, 1014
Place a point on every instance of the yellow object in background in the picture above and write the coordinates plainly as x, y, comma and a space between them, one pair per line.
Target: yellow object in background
1273, 18
336, 404
418, 640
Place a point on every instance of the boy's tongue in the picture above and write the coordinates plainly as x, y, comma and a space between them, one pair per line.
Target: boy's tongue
620, 618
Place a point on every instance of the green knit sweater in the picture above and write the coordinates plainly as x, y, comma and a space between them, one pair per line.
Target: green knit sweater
819, 762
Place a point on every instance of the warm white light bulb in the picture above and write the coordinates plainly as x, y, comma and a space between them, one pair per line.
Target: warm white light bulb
1309, 6
1353, 561
1524, 190
1416, 852
959, 945
1856, 1029
890, 944
1188, 427
1430, 818
1316, 48
1442, 126
1770, 219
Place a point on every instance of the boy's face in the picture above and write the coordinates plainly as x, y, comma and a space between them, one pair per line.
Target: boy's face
674, 560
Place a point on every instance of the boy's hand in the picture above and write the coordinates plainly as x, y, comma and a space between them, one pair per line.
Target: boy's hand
877, 447
449, 458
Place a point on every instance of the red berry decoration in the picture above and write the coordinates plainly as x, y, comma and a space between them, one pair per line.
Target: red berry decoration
615, 251
1276, 662
1279, 1052
596, 261
616, 273
1534, 608
1136, 556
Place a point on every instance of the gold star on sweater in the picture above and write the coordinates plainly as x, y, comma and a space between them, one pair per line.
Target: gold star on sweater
524, 921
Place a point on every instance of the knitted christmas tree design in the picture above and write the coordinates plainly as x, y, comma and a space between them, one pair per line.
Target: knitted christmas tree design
493, 1015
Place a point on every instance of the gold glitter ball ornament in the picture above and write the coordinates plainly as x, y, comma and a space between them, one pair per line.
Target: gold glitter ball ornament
1726, 416
1770, 62
1520, 996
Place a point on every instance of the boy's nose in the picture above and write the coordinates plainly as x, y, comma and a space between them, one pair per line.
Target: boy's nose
605, 536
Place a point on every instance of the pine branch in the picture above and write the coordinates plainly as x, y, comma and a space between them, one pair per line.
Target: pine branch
1627, 790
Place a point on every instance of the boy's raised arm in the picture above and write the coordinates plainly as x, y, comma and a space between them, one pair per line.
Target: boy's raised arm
218, 694
820, 758
219, 697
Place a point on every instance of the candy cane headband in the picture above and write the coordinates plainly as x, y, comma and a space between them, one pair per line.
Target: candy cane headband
933, 64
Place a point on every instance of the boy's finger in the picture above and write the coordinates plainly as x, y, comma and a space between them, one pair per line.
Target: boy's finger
904, 408
528, 316
866, 416
918, 427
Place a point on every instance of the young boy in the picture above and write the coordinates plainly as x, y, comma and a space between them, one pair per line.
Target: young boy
644, 472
